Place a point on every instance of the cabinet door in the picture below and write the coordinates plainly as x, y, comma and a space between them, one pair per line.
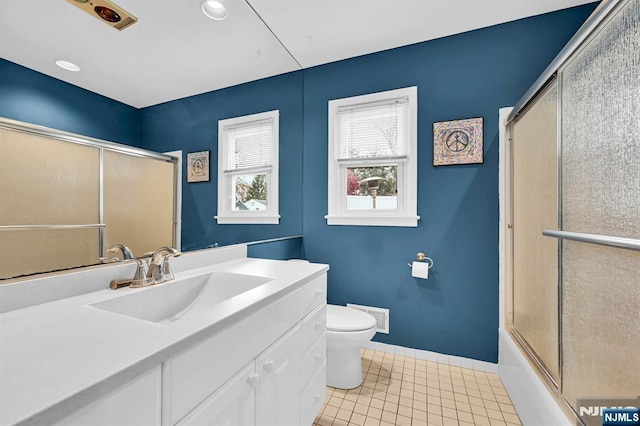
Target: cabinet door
231, 405
278, 392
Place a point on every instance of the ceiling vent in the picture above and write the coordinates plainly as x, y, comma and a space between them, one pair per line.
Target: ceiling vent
106, 11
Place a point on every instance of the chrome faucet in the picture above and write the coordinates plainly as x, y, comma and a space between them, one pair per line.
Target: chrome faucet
159, 269
127, 254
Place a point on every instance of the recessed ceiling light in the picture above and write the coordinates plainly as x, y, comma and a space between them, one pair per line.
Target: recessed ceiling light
69, 66
214, 10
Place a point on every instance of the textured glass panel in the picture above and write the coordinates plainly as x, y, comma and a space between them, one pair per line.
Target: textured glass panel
138, 202
601, 322
535, 207
601, 131
46, 181
32, 251
601, 195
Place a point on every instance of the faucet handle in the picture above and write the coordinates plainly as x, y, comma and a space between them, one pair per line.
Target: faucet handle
140, 279
140, 272
116, 284
166, 269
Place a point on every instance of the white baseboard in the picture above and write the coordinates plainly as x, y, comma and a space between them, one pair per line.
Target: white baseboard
433, 356
531, 398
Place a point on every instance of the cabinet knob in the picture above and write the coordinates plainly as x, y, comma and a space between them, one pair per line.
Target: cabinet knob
319, 292
318, 324
319, 356
253, 381
268, 367
319, 396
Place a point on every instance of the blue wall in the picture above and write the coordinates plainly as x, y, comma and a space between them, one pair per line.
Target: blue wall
35, 98
462, 76
290, 248
191, 124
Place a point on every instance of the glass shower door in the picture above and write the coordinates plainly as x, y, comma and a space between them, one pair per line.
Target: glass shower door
601, 196
575, 298
535, 207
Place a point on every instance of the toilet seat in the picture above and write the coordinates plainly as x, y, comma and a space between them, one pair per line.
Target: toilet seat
343, 319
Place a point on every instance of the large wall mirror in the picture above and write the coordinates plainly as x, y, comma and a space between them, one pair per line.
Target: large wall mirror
66, 199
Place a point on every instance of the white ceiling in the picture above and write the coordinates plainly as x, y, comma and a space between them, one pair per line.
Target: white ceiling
175, 51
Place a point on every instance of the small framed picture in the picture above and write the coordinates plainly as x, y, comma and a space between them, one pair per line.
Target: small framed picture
458, 142
198, 166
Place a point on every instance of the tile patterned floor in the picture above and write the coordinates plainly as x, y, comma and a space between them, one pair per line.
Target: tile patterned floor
411, 392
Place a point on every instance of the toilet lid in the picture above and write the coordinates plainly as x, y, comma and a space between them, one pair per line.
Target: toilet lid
341, 318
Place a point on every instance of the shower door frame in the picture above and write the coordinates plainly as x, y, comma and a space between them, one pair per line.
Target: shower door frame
539, 366
554, 72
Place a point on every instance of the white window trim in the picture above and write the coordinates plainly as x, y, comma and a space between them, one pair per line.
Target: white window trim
406, 213
225, 214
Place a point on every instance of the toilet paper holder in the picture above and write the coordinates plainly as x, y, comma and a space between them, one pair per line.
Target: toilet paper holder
421, 257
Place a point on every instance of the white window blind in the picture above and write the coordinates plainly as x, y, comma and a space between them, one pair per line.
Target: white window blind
249, 145
373, 130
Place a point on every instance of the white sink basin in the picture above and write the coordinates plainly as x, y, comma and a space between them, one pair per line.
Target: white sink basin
167, 302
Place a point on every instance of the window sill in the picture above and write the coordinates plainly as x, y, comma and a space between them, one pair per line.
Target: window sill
266, 220
405, 221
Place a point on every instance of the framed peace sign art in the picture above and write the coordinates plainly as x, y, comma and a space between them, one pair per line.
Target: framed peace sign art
198, 166
458, 142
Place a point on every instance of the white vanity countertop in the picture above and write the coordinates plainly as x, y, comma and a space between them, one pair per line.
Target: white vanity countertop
58, 356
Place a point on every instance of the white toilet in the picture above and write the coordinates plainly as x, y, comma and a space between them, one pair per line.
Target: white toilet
347, 331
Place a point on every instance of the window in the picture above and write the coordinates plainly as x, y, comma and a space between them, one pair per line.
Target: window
248, 169
372, 159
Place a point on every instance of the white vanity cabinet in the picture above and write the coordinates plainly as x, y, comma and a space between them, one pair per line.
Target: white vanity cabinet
258, 371
232, 340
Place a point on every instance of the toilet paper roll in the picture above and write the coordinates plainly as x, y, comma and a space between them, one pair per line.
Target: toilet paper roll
420, 270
